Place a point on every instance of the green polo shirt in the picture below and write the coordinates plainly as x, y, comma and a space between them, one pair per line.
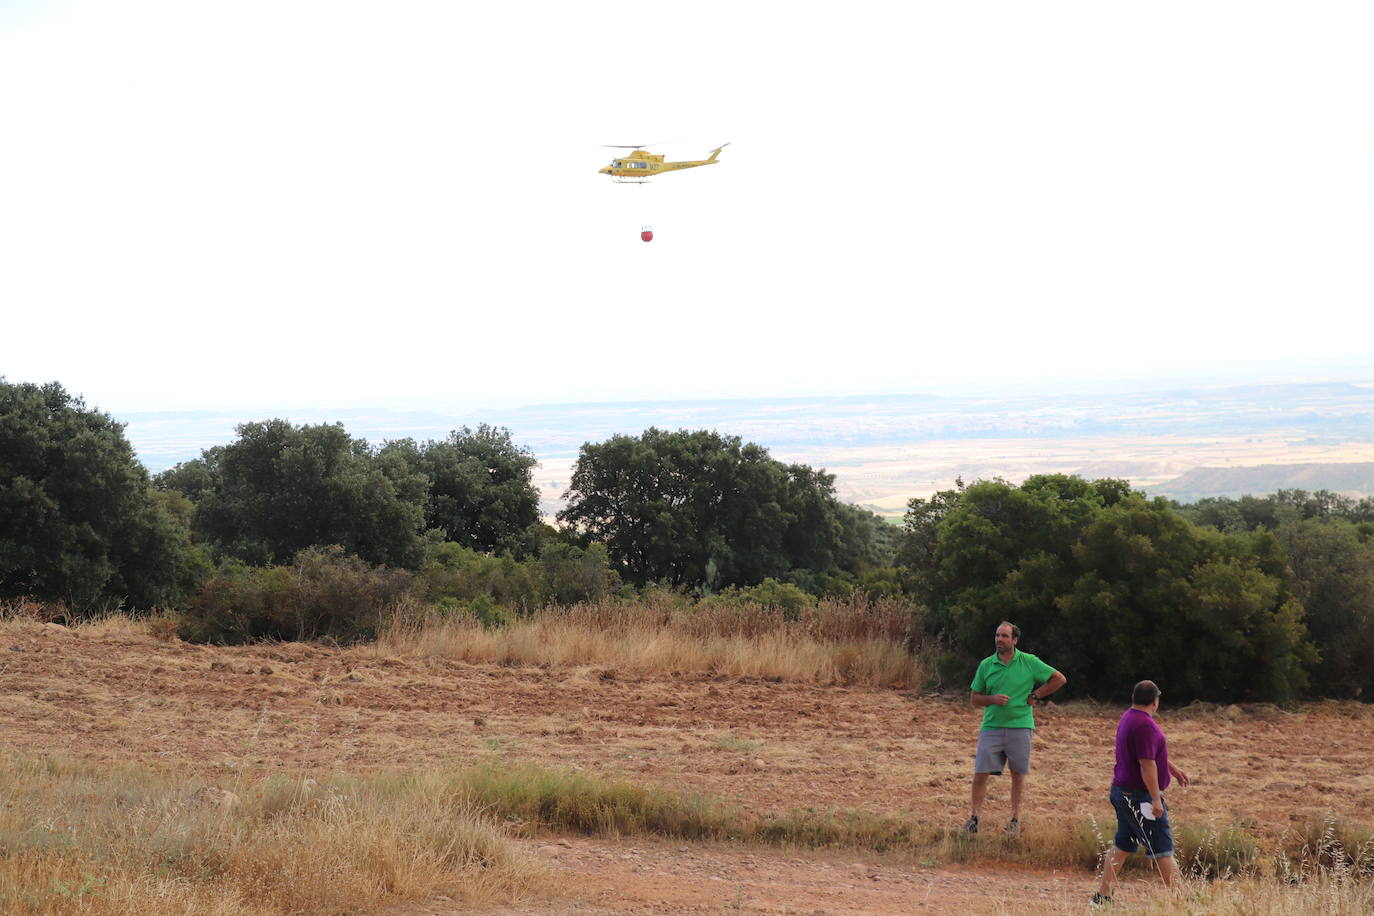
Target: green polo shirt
1017, 678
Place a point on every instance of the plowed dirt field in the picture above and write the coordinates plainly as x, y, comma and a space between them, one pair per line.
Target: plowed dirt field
117, 694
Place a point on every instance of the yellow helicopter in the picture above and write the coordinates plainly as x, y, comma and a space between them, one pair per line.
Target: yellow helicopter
639, 166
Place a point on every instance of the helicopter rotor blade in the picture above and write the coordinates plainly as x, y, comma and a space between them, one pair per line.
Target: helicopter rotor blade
637, 145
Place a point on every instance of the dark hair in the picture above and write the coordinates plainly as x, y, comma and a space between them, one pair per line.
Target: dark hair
1015, 630
1145, 693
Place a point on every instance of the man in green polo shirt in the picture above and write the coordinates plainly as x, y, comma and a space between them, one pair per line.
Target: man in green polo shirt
1007, 684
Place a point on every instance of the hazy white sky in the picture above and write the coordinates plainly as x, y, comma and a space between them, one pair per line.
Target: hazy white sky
397, 204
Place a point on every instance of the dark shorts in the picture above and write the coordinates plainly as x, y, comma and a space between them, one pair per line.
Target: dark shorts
1134, 831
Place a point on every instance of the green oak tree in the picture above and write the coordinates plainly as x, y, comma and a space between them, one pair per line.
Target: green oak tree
701, 509
480, 489
1333, 571
279, 489
1110, 586
79, 522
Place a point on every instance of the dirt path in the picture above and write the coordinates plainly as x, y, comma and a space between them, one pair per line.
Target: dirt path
602, 878
651, 878
116, 694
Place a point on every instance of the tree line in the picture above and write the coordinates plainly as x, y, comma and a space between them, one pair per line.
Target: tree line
696, 511
269, 535
1261, 598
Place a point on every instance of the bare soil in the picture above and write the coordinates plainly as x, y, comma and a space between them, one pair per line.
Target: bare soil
116, 694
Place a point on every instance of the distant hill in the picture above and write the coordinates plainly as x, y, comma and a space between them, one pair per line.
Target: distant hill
1354, 479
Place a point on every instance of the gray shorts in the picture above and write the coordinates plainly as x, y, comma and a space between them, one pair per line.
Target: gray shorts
1000, 746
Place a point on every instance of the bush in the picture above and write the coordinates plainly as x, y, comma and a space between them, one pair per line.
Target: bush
484, 610
1113, 586
570, 574
453, 572
562, 574
325, 593
770, 593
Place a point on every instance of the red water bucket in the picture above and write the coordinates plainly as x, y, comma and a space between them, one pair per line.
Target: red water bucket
646, 234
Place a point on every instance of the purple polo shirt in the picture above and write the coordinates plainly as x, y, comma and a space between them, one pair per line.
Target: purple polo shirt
1138, 736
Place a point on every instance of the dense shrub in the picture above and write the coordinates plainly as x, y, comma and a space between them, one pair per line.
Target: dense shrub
1109, 587
482, 609
324, 593
561, 574
770, 593
1332, 564
571, 574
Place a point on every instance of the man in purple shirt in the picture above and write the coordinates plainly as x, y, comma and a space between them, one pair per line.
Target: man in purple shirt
1143, 772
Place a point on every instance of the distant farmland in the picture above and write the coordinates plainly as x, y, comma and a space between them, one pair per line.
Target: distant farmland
1186, 443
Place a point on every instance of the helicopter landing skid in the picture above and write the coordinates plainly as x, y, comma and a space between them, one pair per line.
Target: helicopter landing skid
630, 181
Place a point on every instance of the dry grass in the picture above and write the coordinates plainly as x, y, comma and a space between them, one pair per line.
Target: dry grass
854, 643
111, 623
1271, 898
87, 838
31, 610
1326, 868
83, 838
1261, 895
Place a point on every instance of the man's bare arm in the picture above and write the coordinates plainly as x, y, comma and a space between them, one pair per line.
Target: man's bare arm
1178, 774
990, 699
1149, 774
1056, 681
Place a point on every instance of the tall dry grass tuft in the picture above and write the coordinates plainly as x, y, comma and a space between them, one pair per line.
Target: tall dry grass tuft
26, 616
29, 609
1268, 896
1328, 846
94, 839
853, 642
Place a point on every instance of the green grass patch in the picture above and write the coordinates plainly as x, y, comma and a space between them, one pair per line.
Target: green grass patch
743, 745
568, 800
1216, 852
533, 799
